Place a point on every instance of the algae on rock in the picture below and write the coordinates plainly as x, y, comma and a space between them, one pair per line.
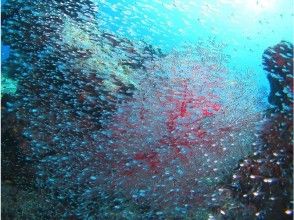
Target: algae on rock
8, 85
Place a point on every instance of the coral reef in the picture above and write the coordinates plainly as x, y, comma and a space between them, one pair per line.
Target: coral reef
108, 128
175, 141
278, 62
66, 86
263, 182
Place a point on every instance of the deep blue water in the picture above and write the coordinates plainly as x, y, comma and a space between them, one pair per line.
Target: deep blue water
4, 52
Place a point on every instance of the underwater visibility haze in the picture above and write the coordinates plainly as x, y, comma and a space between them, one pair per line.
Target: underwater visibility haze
127, 109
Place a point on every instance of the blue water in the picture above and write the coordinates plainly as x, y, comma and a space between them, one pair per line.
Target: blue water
4, 52
247, 27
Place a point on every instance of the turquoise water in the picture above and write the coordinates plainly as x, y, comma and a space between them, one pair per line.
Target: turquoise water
147, 109
247, 27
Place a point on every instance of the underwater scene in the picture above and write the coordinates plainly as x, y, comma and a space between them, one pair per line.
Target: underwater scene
147, 109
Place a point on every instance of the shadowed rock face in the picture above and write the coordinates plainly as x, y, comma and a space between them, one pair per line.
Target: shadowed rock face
71, 76
278, 62
263, 181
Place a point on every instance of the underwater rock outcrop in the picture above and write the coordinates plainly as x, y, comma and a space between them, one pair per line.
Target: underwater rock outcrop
278, 62
263, 182
62, 60
70, 78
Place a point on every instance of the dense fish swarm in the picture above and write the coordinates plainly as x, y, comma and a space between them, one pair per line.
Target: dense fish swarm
263, 181
115, 129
